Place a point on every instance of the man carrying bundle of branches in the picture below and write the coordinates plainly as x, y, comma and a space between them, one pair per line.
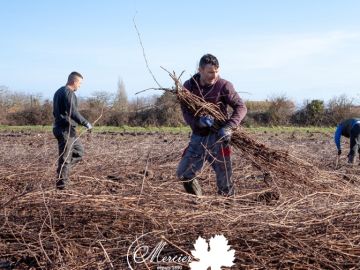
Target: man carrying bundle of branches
210, 139
349, 128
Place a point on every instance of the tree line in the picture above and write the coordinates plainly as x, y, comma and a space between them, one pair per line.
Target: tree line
164, 110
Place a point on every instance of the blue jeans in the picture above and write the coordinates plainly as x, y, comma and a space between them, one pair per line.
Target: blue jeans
207, 148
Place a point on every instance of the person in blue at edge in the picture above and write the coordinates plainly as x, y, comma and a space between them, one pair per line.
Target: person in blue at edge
349, 128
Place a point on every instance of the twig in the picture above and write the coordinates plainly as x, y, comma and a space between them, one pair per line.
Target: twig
106, 255
144, 54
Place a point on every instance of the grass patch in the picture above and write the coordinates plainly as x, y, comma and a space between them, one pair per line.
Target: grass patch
142, 129
289, 129
184, 129
4, 128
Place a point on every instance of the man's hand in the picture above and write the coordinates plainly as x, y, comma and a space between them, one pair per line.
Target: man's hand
206, 121
225, 134
88, 126
339, 152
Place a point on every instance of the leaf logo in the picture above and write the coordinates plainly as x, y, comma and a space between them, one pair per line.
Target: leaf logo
215, 255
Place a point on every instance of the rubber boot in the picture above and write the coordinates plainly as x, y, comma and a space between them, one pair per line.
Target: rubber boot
351, 159
192, 186
60, 183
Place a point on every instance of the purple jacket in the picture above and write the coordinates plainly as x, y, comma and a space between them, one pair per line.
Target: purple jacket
221, 93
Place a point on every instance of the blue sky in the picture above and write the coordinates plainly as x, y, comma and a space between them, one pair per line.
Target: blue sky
303, 49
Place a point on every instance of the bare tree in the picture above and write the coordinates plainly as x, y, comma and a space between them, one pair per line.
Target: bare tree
340, 108
280, 110
99, 99
3, 103
121, 100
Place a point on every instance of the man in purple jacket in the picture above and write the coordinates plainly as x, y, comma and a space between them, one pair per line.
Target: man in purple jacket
208, 143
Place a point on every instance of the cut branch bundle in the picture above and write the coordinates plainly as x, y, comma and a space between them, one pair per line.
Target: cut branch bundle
285, 170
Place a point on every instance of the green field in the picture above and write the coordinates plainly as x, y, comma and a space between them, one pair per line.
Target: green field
184, 129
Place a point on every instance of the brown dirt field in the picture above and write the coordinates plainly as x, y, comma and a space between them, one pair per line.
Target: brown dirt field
126, 187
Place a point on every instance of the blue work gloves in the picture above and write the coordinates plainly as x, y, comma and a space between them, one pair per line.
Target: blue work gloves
224, 134
206, 121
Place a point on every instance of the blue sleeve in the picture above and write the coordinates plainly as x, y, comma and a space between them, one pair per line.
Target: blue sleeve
337, 136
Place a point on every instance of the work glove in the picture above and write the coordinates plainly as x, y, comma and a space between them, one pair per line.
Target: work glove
224, 134
206, 121
339, 152
88, 126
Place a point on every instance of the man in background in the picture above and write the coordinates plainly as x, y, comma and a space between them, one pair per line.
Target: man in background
66, 118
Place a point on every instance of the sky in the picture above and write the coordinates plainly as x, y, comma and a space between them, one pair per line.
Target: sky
305, 49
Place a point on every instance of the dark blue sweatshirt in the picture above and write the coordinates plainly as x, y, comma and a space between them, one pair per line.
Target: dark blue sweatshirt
344, 129
65, 109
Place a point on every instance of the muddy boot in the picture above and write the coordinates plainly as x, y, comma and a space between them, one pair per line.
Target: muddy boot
351, 159
192, 187
230, 193
268, 179
60, 184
